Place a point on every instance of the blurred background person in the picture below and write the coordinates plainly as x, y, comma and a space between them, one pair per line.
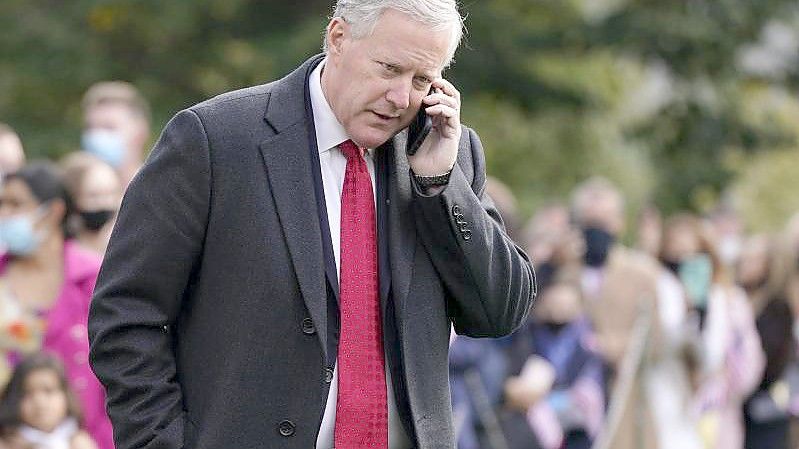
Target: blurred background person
551, 241
728, 231
12, 155
668, 381
39, 410
97, 191
116, 126
619, 285
555, 394
763, 271
46, 282
505, 202
650, 230
728, 359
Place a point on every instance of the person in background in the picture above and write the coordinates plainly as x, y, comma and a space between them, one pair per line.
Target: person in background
727, 226
46, 282
506, 204
116, 126
12, 155
650, 230
38, 410
763, 271
792, 243
728, 361
551, 241
556, 390
97, 191
668, 382
619, 286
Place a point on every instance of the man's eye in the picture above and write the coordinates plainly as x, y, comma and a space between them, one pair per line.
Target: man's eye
389, 67
422, 82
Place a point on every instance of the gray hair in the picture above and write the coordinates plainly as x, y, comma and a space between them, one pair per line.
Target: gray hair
440, 15
591, 191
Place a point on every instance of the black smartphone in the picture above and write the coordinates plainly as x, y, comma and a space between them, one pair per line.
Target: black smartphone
419, 129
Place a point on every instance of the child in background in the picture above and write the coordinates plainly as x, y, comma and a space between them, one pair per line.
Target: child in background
557, 382
38, 410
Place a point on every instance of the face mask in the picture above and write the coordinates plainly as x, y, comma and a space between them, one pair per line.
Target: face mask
554, 327
672, 266
105, 144
18, 236
94, 220
696, 274
597, 246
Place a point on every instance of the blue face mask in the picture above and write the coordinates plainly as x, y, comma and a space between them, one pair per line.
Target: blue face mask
696, 274
18, 236
105, 144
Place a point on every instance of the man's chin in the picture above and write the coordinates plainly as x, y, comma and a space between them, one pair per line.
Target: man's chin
373, 138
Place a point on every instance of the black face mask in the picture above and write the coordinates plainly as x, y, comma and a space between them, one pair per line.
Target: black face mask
555, 328
597, 246
672, 265
94, 220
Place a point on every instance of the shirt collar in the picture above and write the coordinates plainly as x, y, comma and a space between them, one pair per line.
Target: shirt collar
329, 132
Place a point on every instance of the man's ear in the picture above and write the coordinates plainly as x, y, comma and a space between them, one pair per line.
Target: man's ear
338, 30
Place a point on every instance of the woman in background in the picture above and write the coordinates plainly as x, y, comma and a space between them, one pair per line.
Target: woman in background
46, 282
729, 359
97, 190
764, 271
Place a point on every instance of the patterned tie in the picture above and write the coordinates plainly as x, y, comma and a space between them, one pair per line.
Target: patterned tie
361, 410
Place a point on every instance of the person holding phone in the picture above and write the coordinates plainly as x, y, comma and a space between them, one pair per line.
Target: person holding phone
283, 274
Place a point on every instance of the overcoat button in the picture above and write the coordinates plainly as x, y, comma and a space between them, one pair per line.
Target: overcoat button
286, 428
308, 327
328, 375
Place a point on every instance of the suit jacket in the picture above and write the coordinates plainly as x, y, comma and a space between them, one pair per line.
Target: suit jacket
209, 324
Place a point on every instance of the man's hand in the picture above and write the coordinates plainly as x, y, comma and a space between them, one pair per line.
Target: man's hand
437, 154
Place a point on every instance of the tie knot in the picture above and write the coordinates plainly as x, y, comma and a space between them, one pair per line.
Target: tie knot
350, 150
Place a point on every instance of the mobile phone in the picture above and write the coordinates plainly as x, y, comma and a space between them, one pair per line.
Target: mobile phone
419, 129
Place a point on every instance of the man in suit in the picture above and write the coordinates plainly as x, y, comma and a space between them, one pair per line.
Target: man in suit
283, 275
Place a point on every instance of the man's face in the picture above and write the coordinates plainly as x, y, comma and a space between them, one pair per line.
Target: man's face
605, 212
375, 84
119, 119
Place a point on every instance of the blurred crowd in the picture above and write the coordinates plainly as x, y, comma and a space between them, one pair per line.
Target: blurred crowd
55, 222
684, 338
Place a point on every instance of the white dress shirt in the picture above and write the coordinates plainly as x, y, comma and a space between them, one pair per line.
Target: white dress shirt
329, 134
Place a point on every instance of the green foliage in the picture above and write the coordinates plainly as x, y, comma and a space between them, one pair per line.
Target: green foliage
649, 93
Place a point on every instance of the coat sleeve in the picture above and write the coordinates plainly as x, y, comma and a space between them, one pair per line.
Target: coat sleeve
154, 250
489, 280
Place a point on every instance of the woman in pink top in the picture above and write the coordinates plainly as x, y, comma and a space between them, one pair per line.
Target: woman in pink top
46, 282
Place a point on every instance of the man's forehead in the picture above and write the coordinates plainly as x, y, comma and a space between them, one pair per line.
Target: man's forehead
407, 60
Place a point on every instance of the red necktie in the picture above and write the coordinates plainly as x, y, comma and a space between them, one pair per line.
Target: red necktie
361, 409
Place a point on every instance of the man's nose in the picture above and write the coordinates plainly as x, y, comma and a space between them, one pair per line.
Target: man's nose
399, 94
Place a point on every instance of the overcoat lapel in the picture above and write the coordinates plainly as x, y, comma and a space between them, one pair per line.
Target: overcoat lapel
288, 165
401, 226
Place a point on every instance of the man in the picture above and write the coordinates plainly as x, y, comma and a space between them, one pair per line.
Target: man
12, 155
620, 286
116, 126
282, 275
